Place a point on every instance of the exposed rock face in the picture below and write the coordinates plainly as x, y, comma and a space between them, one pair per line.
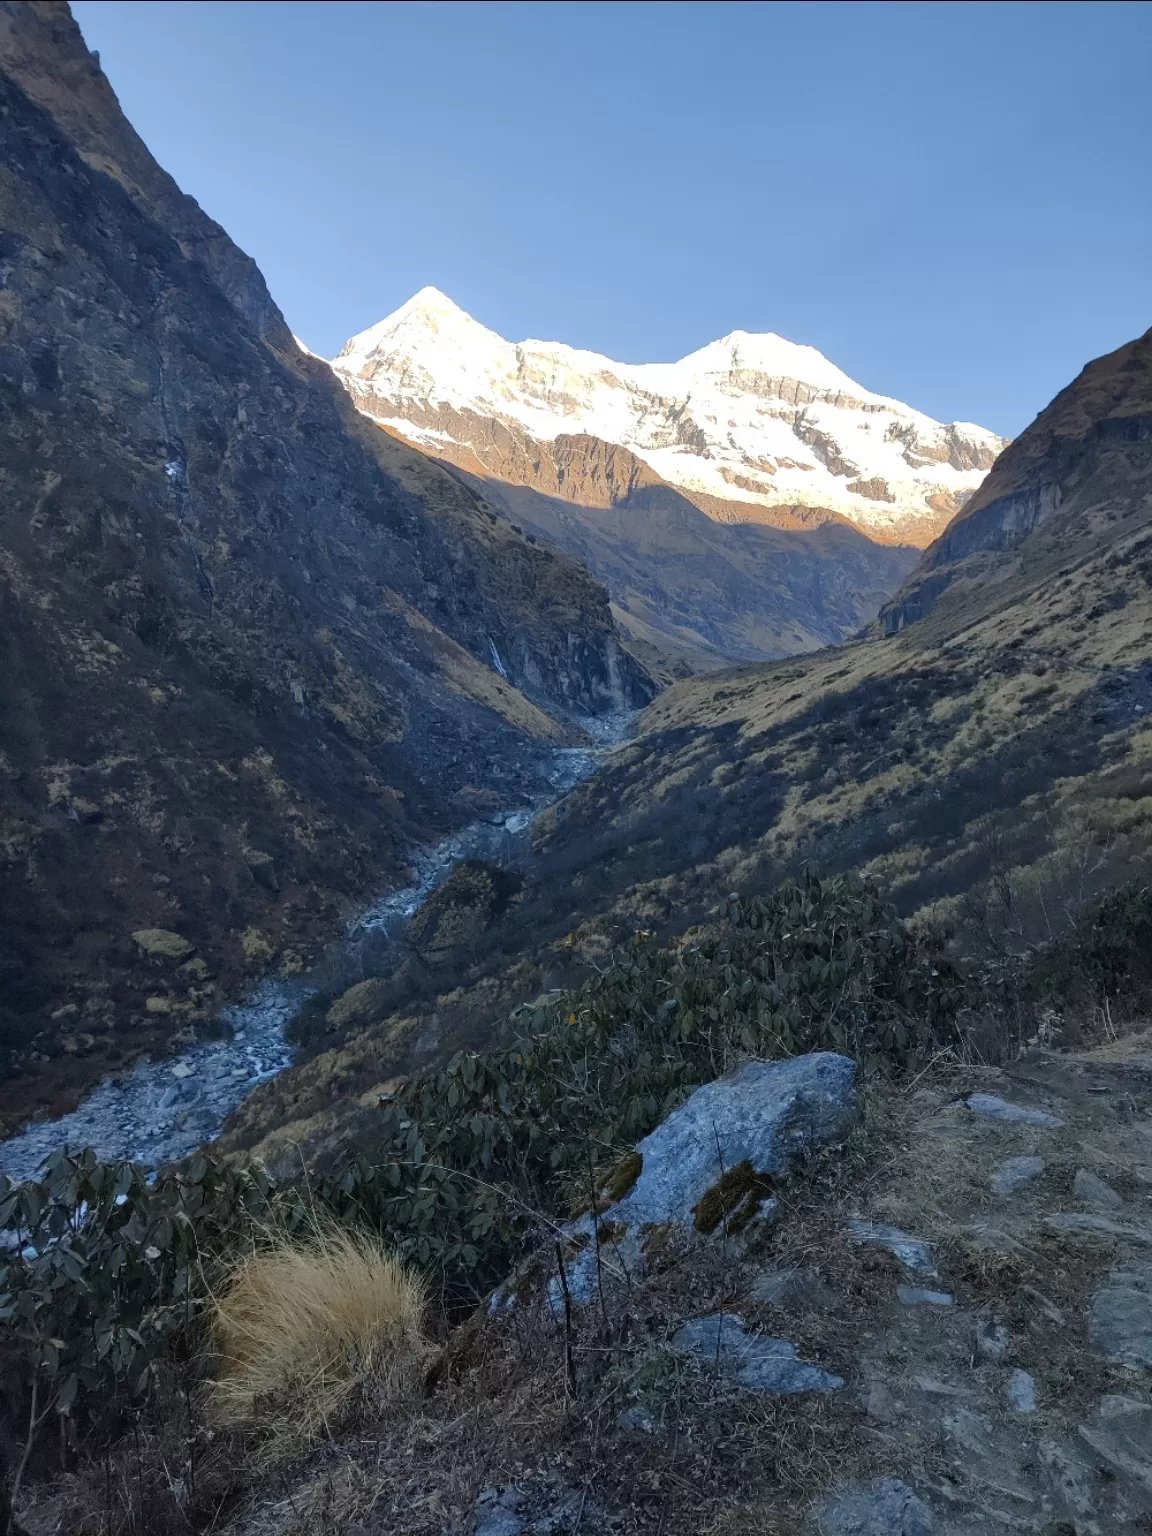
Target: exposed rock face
691, 589
253, 648
1098, 429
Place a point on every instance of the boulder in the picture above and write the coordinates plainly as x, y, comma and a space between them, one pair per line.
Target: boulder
358, 1006
708, 1170
710, 1164
162, 944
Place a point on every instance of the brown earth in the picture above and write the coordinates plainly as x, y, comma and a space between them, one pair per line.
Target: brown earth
246, 637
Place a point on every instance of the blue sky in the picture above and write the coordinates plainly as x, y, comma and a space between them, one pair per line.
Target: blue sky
952, 201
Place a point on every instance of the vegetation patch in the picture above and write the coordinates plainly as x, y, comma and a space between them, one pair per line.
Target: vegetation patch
733, 1200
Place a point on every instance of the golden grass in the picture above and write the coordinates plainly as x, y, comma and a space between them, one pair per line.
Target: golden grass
307, 1327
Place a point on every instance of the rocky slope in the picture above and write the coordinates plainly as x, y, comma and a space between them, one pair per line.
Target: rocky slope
690, 591
253, 649
1095, 423
759, 423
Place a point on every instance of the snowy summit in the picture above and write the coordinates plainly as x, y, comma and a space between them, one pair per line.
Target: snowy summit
752, 420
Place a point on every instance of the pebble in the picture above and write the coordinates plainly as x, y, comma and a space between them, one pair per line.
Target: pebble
936, 1388
913, 1296
991, 1107
1016, 1171
1022, 1392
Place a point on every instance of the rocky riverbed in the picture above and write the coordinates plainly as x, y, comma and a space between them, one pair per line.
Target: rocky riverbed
162, 1109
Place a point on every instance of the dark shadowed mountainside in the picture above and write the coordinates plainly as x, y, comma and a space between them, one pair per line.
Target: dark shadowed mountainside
252, 649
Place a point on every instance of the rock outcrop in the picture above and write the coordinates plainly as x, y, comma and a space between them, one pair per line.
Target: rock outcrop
1097, 431
253, 649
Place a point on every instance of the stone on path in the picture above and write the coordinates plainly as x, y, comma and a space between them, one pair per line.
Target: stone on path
1088, 1221
1120, 1324
1022, 1392
753, 1360
786, 1286
1120, 1433
1016, 1171
991, 1107
914, 1296
888, 1507
912, 1252
992, 1339
1094, 1191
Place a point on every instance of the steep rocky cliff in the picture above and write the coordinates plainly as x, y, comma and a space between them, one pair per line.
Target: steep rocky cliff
252, 649
1100, 426
690, 591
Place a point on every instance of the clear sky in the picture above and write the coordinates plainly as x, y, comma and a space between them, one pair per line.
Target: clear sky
952, 201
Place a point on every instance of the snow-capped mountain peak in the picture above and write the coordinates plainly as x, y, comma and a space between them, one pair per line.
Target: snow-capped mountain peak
754, 420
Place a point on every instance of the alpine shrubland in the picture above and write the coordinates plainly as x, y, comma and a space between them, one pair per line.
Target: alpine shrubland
119, 1292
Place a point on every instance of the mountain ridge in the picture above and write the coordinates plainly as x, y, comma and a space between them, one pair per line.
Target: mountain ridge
755, 421
247, 638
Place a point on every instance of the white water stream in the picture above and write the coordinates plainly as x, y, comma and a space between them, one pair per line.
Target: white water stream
162, 1110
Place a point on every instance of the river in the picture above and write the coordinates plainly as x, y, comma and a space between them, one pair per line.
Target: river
161, 1110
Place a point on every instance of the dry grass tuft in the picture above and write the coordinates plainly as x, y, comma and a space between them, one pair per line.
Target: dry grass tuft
307, 1328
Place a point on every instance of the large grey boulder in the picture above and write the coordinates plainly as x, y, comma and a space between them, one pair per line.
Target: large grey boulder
763, 1116
709, 1167
885, 1508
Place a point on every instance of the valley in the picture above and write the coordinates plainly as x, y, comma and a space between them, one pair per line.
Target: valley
575, 936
